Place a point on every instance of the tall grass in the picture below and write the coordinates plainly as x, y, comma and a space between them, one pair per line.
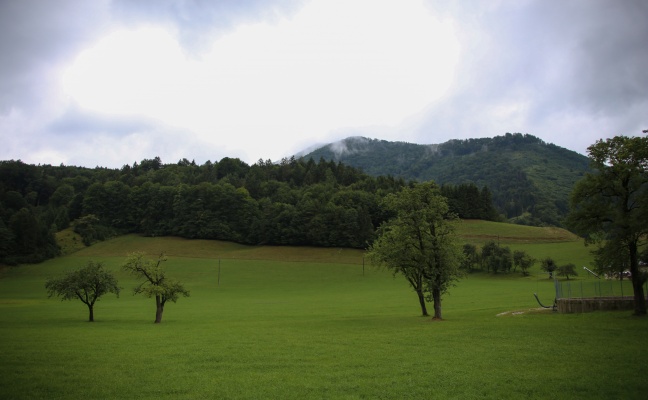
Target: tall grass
312, 327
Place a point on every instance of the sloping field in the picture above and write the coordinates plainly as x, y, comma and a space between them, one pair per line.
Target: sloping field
214, 249
471, 231
479, 232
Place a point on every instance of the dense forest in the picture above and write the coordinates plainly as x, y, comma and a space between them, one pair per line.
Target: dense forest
530, 180
293, 202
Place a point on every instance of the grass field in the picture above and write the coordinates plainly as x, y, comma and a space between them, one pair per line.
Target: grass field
296, 323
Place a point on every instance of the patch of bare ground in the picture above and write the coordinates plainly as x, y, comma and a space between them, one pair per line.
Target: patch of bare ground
539, 310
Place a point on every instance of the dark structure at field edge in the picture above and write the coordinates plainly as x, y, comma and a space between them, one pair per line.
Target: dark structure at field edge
581, 305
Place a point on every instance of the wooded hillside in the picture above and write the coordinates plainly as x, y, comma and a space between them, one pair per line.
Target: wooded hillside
294, 202
530, 180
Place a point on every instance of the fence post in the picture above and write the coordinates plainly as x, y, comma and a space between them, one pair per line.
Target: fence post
558, 288
620, 281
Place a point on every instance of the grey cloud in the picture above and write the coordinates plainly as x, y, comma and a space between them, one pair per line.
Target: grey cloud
35, 36
611, 69
197, 20
80, 122
583, 47
555, 58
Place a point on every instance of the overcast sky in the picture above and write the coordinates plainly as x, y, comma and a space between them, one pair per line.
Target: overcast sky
111, 82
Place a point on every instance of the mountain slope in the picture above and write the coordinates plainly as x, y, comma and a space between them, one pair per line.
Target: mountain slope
531, 180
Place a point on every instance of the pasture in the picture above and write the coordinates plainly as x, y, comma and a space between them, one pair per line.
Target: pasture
300, 323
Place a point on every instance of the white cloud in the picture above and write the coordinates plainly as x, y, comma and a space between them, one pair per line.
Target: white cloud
264, 86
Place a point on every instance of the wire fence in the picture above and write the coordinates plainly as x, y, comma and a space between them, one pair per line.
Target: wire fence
595, 289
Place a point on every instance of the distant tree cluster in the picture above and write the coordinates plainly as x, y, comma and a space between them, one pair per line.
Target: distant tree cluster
467, 201
31, 210
494, 258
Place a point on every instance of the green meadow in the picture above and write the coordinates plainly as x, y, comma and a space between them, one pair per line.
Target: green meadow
314, 323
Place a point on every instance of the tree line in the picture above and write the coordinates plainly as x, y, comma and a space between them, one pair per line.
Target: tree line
494, 258
293, 202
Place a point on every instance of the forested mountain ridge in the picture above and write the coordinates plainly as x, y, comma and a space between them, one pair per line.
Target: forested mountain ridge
530, 180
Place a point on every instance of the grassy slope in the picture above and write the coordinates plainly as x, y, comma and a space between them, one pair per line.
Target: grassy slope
315, 327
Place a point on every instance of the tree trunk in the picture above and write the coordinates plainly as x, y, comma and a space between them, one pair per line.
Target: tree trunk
639, 299
91, 311
436, 298
159, 309
637, 284
421, 298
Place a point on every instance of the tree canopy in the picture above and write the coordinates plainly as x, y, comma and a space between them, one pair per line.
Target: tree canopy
156, 284
87, 284
419, 243
610, 206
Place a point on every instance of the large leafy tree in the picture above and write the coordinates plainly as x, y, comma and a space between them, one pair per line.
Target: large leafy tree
87, 284
155, 284
419, 243
610, 206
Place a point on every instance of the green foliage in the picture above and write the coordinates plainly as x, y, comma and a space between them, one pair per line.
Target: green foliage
87, 284
610, 206
567, 270
91, 230
530, 180
27, 238
156, 284
294, 202
420, 243
523, 260
610, 258
548, 265
467, 201
496, 258
471, 256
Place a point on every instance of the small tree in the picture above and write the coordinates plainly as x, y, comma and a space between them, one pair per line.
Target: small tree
87, 284
496, 258
523, 260
471, 256
155, 284
548, 265
567, 270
